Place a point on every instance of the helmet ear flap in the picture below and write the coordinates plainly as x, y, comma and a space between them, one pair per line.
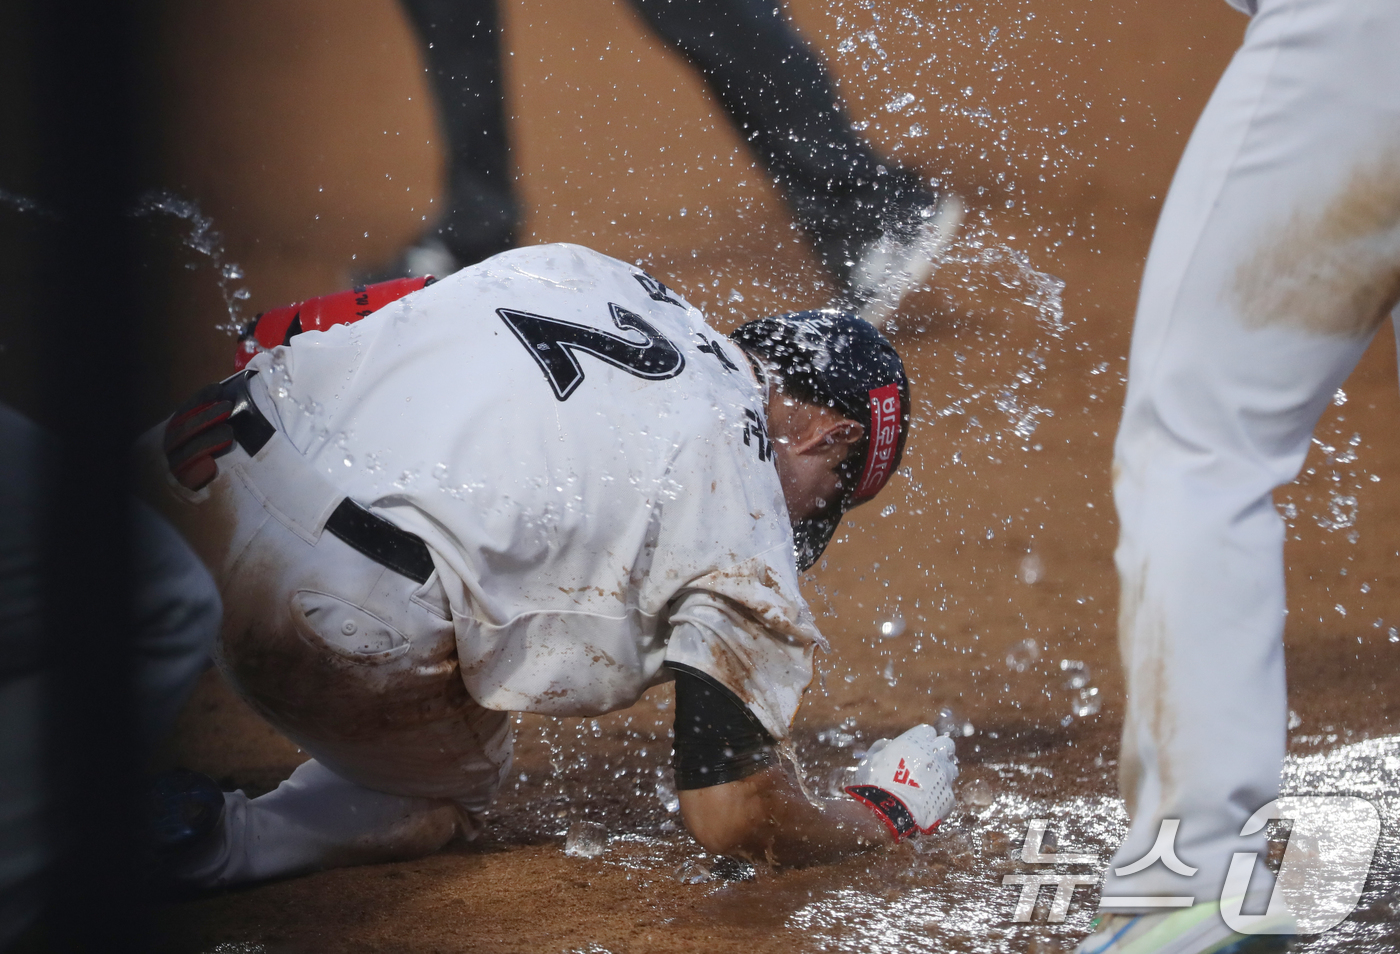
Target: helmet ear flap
833, 358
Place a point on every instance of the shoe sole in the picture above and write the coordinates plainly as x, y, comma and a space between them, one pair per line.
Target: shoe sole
921, 257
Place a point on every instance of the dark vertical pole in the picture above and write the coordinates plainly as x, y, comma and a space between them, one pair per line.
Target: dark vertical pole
85, 89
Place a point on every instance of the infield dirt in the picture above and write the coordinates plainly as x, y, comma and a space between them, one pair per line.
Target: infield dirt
305, 132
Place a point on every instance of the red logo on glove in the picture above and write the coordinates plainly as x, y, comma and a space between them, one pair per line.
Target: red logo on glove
901, 775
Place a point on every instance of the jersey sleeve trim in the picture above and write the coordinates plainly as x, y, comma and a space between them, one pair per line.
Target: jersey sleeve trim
718, 740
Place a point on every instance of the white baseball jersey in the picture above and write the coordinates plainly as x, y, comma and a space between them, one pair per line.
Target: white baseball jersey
589, 464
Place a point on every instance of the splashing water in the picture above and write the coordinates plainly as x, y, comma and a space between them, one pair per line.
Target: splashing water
1009, 270
786, 751
24, 204
962, 888
1021, 656
891, 628
202, 238
586, 839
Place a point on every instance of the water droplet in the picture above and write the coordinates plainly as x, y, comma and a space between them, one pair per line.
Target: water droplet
666, 794
1022, 655
836, 737
978, 793
1077, 674
948, 723
837, 781
900, 102
892, 628
733, 869
1032, 568
1294, 720
1086, 702
694, 871
585, 839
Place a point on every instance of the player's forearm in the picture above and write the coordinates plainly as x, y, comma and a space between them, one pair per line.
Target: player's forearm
831, 829
766, 818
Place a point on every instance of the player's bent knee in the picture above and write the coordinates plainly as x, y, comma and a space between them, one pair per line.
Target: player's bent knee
413, 835
429, 831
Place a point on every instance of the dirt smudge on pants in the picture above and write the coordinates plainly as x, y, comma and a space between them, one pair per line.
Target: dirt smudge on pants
1129, 761
1333, 271
1142, 643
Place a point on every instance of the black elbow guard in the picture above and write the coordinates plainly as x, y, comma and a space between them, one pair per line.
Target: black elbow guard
717, 739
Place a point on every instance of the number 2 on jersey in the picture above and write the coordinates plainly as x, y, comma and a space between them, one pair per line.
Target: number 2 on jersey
552, 343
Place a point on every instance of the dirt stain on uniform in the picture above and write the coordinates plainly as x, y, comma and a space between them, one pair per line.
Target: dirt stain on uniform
1129, 773
731, 672
1142, 642
1335, 270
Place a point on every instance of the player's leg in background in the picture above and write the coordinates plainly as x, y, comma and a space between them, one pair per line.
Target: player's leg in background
178, 612
461, 44
1276, 256
779, 94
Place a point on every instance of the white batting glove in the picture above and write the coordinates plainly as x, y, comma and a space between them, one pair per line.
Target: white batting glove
908, 781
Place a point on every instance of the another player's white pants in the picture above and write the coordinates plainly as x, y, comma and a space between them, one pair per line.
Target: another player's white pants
1276, 258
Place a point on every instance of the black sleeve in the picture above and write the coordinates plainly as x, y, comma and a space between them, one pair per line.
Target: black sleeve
717, 739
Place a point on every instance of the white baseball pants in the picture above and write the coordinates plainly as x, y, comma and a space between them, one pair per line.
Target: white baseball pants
353, 661
317, 820
1276, 258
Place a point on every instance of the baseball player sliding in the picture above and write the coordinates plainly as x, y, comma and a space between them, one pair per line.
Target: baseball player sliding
1276, 259
543, 484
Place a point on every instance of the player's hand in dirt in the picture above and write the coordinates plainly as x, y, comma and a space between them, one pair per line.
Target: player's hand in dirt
908, 780
768, 818
198, 433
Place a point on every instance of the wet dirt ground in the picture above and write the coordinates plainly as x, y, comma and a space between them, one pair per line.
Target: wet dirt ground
304, 132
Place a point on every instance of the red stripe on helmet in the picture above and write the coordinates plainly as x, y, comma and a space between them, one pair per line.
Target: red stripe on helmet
884, 439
